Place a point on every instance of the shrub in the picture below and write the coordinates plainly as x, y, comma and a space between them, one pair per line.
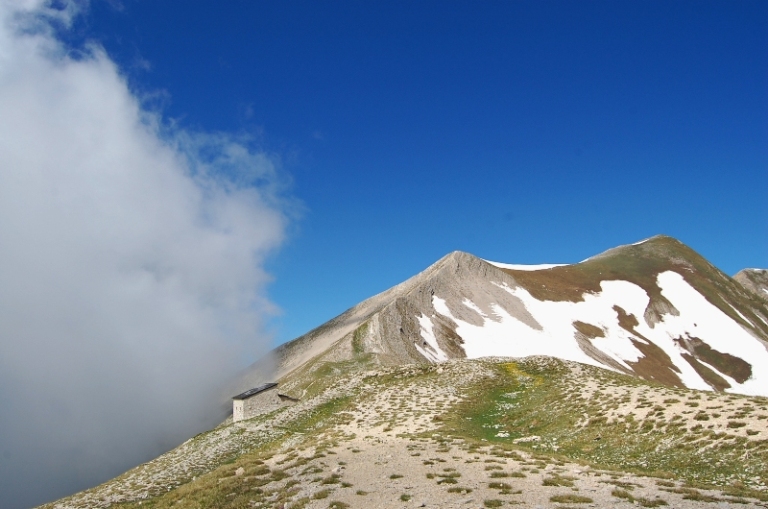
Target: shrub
321, 494
571, 499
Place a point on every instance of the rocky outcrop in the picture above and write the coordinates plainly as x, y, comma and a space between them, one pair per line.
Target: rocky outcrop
755, 281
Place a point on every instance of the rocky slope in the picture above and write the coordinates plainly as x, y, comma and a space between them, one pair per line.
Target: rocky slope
754, 280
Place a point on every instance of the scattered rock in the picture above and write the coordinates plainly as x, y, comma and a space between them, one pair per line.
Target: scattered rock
532, 438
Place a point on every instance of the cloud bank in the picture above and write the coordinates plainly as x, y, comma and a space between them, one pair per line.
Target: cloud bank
131, 265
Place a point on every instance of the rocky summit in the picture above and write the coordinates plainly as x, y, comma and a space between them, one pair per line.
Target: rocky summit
637, 377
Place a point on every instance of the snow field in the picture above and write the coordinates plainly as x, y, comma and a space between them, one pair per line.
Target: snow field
505, 335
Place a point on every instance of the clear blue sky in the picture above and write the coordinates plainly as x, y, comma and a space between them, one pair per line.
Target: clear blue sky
519, 131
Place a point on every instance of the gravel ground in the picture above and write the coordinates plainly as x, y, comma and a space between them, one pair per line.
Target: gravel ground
385, 451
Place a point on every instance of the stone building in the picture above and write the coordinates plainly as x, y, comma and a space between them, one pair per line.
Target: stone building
257, 401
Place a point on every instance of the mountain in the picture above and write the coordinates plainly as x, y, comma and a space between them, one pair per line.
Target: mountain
655, 309
635, 377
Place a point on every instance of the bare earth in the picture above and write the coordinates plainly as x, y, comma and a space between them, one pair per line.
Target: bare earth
383, 471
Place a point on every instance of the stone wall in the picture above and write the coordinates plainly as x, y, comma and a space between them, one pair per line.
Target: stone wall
261, 403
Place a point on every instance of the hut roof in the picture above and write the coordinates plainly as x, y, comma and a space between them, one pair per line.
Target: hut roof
256, 390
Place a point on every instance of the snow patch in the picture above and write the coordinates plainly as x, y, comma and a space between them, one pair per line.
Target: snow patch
431, 350
707, 322
471, 305
440, 306
741, 315
597, 309
731, 381
508, 336
513, 266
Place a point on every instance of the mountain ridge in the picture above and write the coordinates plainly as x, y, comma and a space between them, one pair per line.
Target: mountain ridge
427, 317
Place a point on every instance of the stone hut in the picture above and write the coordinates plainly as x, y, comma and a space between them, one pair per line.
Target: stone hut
257, 401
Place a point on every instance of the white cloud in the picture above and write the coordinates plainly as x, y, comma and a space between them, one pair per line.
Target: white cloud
131, 265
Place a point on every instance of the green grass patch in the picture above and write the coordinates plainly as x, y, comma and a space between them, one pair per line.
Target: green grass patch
321, 494
570, 499
558, 481
540, 398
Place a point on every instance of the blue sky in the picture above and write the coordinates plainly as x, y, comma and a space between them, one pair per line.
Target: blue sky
521, 131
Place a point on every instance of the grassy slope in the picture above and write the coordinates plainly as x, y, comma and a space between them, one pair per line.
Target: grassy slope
618, 422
